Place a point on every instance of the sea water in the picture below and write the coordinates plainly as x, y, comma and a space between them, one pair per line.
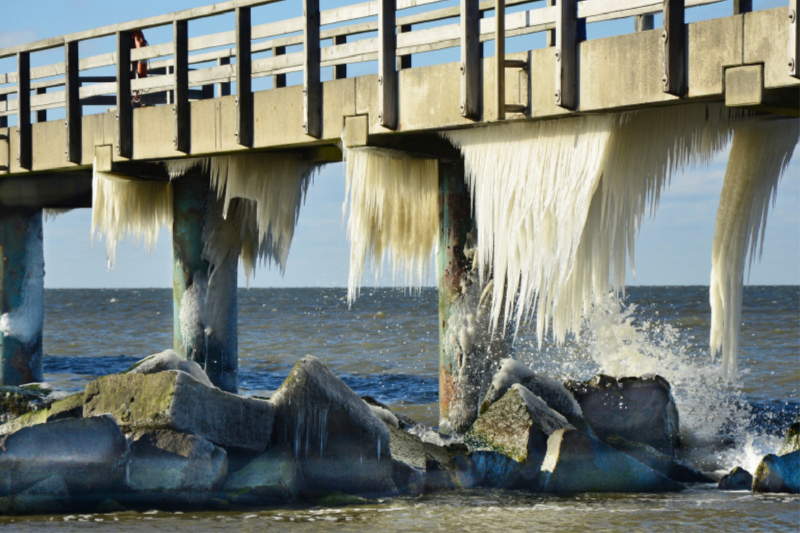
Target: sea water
386, 346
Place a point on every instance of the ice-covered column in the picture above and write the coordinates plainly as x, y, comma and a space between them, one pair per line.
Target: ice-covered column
468, 352
21, 296
204, 283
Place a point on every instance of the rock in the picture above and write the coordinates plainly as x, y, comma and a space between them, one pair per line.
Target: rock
517, 427
47, 496
16, 401
90, 454
169, 360
175, 400
175, 467
577, 462
340, 444
552, 392
338, 499
273, 477
408, 461
383, 412
69, 407
670, 467
778, 473
792, 441
637, 409
110, 506
736, 479
447, 467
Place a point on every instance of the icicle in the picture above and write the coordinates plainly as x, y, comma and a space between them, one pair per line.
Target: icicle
123, 207
760, 152
393, 201
54, 213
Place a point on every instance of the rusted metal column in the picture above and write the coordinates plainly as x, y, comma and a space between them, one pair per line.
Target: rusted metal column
204, 289
468, 353
21, 296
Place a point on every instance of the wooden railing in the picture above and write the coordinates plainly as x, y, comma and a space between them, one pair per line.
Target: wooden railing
397, 40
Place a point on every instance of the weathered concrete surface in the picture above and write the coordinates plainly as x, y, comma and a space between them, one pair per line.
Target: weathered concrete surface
765, 36
637, 409
90, 454
175, 466
175, 400
666, 464
778, 473
517, 427
712, 45
47, 496
576, 462
69, 407
744, 86
339, 443
273, 477
736, 479
169, 360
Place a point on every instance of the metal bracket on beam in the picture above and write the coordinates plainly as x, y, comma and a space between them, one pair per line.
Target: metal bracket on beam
794, 39
674, 43
25, 153
471, 79
124, 107
387, 59
74, 110
566, 54
181, 107
312, 88
244, 73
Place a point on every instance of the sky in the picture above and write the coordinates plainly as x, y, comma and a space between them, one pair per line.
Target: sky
673, 248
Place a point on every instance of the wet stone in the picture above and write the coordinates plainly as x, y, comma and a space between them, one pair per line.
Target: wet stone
273, 477
778, 473
47, 496
736, 479
169, 360
667, 465
792, 441
17, 401
69, 407
408, 461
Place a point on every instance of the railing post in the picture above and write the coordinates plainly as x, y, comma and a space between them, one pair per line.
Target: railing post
340, 71
3, 120
500, 57
312, 89
41, 116
566, 52
643, 23
244, 74
470, 59
181, 109
404, 62
674, 39
224, 88
124, 107
278, 80
742, 6
72, 100
387, 59
25, 155
794, 40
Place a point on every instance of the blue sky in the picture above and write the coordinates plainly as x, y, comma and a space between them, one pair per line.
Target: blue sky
673, 249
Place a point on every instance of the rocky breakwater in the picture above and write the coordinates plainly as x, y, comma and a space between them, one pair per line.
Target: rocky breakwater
159, 435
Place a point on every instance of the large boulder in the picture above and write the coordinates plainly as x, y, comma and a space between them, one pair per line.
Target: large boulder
447, 466
577, 462
552, 392
174, 467
17, 401
792, 441
47, 496
169, 360
273, 477
736, 479
778, 473
175, 400
637, 409
90, 454
69, 407
509, 440
660, 462
340, 443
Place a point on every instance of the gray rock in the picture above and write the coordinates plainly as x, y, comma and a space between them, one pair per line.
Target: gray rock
736, 479
90, 454
17, 401
396, 419
667, 465
792, 441
69, 407
273, 477
576, 462
778, 473
176, 467
47, 496
175, 400
340, 444
408, 461
637, 409
446, 467
169, 360
552, 392
516, 427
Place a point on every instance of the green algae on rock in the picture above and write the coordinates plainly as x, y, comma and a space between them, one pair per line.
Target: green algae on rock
778, 473
69, 407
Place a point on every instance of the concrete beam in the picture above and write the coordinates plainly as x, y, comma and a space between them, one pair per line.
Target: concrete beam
58, 190
21, 296
744, 87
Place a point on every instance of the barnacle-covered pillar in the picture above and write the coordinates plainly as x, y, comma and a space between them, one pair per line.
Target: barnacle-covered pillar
468, 351
21, 296
204, 282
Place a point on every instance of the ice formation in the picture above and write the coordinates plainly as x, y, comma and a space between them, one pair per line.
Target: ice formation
558, 203
393, 202
123, 207
25, 322
760, 152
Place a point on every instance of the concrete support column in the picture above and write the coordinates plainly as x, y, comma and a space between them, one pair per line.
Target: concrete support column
204, 284
468, 353
21, 296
